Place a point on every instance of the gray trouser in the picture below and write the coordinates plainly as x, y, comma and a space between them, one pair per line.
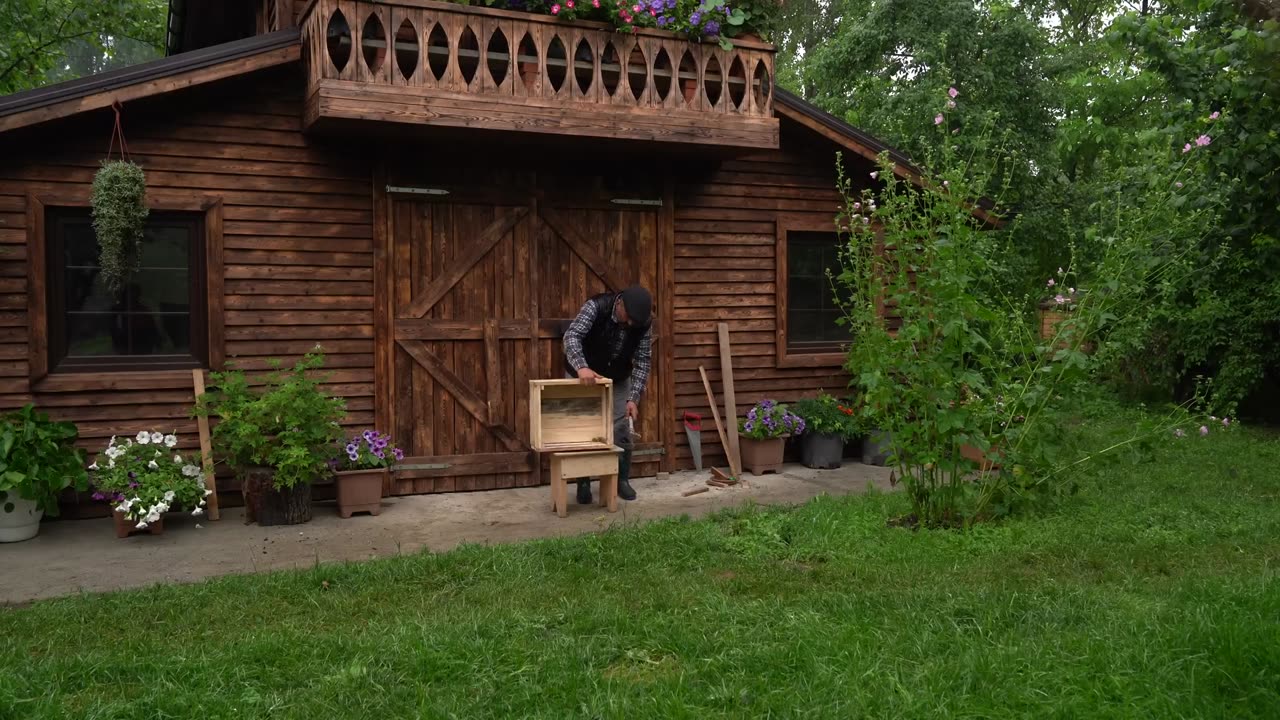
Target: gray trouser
621, 434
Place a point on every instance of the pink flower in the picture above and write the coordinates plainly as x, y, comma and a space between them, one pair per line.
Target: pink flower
595, 3
1177, 184
1052, 282
951, 104
937, 119
1059, 300
635, 8
1203, 140
857, 206
555, 9
953, 92
1179, 433
1203, 431
1186, 148
1214, 115
1226, 422
865, 219
569, 4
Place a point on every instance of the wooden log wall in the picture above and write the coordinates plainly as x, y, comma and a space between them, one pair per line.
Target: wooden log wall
725, 262
297, 222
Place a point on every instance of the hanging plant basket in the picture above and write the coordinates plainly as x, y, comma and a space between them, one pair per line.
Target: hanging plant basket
119, 217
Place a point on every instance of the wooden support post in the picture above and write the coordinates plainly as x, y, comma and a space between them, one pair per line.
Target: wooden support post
730, 400
206, 451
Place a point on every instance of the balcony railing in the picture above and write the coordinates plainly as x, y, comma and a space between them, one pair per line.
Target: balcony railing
425, 62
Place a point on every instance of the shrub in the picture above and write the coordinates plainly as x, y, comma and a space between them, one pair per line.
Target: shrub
38, 459
287, 423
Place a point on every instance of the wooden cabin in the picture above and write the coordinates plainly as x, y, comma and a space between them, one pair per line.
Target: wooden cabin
431, 216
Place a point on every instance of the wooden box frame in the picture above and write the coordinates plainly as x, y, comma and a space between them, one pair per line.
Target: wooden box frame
550, 431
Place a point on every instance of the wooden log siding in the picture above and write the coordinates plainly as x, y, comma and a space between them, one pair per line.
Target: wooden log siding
297, 238
724, 266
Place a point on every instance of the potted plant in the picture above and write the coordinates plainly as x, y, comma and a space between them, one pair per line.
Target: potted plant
38, 460
276, 435
119, 216
361, 472
828, 425
144, 477
763, 435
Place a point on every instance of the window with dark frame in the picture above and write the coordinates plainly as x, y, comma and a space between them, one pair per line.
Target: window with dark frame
158, 321
812, 313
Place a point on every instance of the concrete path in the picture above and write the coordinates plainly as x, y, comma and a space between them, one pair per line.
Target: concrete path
84, 555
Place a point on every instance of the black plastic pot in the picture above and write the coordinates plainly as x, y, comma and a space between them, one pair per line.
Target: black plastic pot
821, 450
876, 447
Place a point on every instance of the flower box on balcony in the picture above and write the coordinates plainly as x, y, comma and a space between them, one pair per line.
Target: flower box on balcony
478, 68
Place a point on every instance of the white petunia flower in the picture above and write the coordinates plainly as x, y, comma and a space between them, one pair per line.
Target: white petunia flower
112, 442
144, 437
111, 463
197, 512
168, 496
159, 453
207, 493
170, 440
141, 526
157, 437
152, 464
177, 459
190, 470
94, 466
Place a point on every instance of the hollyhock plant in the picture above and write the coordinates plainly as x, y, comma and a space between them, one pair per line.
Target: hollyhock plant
768, 419
369, 450
144, 477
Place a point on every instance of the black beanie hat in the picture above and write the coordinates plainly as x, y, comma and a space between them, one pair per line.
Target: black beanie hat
638, 303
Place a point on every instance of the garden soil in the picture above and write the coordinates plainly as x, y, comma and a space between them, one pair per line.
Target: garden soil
74, 556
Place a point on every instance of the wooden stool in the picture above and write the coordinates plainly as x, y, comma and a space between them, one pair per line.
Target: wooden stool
583, 464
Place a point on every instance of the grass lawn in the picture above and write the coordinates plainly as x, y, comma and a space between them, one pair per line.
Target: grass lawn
1153, 593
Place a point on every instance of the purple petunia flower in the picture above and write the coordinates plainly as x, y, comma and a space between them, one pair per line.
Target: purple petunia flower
99, 496
712, 27
695, 18
749, 426
379, 454
398, 453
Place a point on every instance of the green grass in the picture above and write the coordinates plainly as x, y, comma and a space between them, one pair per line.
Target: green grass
1152, 594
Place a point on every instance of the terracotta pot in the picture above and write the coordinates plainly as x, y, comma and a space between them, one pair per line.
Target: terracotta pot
359, 491
126, 527
762, 456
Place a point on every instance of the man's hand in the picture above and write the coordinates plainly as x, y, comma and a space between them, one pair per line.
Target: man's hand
588, 376
633, 411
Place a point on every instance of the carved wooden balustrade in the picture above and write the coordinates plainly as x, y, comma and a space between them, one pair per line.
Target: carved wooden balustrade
432, 63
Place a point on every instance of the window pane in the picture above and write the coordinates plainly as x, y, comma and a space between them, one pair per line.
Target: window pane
94, 335
812, 312
150, 316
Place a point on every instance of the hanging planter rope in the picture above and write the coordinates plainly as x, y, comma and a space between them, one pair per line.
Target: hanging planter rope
119, 212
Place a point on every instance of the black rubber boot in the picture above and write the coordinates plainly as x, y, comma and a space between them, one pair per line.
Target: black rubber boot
625, 491
584, 492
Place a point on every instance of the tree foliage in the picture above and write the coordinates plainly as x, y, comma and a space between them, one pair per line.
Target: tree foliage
51, 40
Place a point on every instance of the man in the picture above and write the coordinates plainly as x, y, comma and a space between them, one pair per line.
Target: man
611, 338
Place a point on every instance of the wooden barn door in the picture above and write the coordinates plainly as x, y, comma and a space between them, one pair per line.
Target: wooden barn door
480, 293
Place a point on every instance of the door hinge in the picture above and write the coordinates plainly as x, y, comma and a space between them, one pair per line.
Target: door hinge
416, 190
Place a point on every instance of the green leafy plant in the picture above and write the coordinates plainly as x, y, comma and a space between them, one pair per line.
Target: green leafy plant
767, 419
286, 423
145, 477
119, 217
38, 459
971, 393
825, 415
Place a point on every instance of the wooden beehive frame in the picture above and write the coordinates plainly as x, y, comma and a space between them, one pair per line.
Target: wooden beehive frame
567, 415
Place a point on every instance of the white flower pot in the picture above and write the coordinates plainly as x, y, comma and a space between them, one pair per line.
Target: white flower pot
21, 524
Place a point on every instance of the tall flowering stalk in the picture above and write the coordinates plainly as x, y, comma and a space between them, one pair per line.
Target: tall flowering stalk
973, 397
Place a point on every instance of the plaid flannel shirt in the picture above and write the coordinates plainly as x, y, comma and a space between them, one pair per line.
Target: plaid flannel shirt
640, 364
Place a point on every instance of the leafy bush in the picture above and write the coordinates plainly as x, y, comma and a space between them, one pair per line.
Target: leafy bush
38, 459
287, 423
770, 420
965, 366
144, 477
827, 416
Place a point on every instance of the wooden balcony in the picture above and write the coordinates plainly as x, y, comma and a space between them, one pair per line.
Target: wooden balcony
470, 67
